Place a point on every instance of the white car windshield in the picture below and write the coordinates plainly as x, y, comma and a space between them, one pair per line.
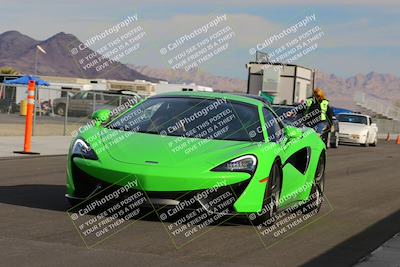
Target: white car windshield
352, 118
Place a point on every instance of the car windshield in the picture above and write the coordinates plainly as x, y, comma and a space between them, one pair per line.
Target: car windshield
352, 118
193, 117
288, 114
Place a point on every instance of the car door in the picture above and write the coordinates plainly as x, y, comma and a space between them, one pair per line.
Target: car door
89, 103
75, 102
82, 103
295, 156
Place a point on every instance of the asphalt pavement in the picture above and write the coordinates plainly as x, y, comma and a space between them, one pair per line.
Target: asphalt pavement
362, 186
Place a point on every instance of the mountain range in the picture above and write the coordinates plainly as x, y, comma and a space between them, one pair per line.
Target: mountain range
18, 51
339, 90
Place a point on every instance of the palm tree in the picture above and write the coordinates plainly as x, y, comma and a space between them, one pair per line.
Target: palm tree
8, 71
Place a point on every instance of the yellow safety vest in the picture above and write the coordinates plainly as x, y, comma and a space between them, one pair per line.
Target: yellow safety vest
323, 106
324, 109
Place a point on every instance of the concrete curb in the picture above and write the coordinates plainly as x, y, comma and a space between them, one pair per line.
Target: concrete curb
32, 156
45, 145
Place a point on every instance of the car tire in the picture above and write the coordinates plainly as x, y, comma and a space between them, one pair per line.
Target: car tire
60, 109
375, 142
335, 144
366, 144
316, 196
271, 197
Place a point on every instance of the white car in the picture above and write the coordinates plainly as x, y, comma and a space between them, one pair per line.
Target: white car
357, 129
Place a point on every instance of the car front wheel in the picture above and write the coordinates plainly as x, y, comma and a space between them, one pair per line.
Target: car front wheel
317, 190
375, 142
271, 198
60, 109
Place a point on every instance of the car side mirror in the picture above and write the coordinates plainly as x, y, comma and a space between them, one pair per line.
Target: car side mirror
101, 116
292, 132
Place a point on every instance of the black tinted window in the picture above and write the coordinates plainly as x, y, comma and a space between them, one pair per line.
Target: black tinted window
193, 117
274, 129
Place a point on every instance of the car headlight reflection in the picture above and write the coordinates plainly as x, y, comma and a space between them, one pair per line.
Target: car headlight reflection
82, 150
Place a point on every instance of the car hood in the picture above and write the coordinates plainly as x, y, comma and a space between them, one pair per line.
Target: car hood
170, 151
351, 128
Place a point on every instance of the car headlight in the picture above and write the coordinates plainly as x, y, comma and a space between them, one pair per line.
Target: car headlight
82, 150
246, 163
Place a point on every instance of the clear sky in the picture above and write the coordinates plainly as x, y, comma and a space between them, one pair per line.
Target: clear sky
359, 36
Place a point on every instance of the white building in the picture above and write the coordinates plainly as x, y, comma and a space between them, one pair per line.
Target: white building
59, 86
287, 83
164, 87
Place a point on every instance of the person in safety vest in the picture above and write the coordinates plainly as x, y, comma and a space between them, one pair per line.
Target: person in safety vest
318, 112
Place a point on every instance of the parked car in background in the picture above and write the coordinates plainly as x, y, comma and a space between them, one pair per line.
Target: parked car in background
8, 106
357, 129
85, 103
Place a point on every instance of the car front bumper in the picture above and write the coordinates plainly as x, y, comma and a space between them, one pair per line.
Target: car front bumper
86, 178
352, 138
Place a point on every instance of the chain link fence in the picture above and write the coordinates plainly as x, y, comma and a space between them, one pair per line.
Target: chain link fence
62, 111
57, 111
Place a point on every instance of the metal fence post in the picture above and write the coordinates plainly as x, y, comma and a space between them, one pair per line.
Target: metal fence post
66, 115
94, 102
34, 110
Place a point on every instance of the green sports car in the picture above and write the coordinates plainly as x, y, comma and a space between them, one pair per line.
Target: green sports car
176, 146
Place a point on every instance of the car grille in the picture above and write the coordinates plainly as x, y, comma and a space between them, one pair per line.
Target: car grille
86, 185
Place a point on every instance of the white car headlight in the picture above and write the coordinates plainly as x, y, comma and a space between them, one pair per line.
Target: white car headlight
246, 163
82, 150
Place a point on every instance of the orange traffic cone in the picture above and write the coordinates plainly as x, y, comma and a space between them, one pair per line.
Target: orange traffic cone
398, 140
388, 137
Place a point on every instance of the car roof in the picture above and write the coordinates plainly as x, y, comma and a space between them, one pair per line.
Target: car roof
111, 92
90, 91
212, 95
283, 106
257, 97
